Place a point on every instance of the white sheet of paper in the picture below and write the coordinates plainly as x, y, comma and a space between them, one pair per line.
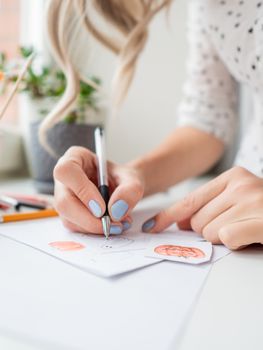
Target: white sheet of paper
180, 251
92, 253
57, 307
64, 308
103, 257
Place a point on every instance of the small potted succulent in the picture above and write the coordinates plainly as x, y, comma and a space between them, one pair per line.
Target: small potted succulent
43, 86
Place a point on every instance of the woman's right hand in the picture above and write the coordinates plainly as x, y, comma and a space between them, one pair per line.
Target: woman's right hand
78, 200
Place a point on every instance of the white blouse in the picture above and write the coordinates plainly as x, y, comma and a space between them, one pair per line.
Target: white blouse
226, 48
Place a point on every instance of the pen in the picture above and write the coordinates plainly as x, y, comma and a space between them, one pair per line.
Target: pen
46, 213
103, 184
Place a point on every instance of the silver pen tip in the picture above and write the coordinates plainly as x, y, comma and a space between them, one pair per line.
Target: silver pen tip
106, 226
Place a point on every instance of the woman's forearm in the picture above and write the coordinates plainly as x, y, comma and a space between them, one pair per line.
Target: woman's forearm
187, 152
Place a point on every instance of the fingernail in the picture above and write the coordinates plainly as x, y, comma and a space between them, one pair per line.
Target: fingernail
115, 230
118, 209
148, 225
126, 225
95, 208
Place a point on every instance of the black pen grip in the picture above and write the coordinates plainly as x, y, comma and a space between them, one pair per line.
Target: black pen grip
105, 193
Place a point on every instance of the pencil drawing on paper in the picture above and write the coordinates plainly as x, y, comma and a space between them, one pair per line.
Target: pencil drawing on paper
179, 251
116, 242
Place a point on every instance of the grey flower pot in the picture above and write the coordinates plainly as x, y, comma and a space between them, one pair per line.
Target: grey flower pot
61, 137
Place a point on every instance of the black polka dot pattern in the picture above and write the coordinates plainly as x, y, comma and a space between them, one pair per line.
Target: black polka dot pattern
226, 48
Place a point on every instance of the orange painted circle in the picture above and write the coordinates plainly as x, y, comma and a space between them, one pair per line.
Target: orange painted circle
179, 251
66, 245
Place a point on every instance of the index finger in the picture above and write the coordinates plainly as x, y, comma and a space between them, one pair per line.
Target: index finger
70, 171
186, 208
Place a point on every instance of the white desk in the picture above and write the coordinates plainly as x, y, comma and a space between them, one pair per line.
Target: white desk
229, 312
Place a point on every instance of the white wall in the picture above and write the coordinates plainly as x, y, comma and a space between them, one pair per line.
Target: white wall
31, 29
149, 112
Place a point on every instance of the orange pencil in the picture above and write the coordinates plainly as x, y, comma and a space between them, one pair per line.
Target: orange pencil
45, 213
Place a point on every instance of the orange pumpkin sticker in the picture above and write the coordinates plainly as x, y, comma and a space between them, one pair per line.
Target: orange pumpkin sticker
179, 251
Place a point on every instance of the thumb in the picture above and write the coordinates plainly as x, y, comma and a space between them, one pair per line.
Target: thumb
126, 195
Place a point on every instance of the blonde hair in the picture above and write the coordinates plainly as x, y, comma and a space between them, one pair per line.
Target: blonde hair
129, 17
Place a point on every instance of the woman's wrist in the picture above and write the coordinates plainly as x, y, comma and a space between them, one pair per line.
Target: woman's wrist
185, 153
138, 166
143, 167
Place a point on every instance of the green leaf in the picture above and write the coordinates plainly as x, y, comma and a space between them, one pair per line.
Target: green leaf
52, 82
2, 60
26, 51
71, 118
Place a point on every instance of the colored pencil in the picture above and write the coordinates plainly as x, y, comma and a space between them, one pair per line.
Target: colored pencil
40, 214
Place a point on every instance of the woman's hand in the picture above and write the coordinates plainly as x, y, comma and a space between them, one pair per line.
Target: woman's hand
228, 210
78, 200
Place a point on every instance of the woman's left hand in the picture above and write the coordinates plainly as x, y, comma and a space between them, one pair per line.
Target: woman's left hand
228, 210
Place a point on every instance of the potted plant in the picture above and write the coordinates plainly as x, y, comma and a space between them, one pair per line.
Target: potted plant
42, 87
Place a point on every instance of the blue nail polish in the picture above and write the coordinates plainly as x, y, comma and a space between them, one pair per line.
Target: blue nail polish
95, 208
148, 225
126, 225
118, 209
115, 230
